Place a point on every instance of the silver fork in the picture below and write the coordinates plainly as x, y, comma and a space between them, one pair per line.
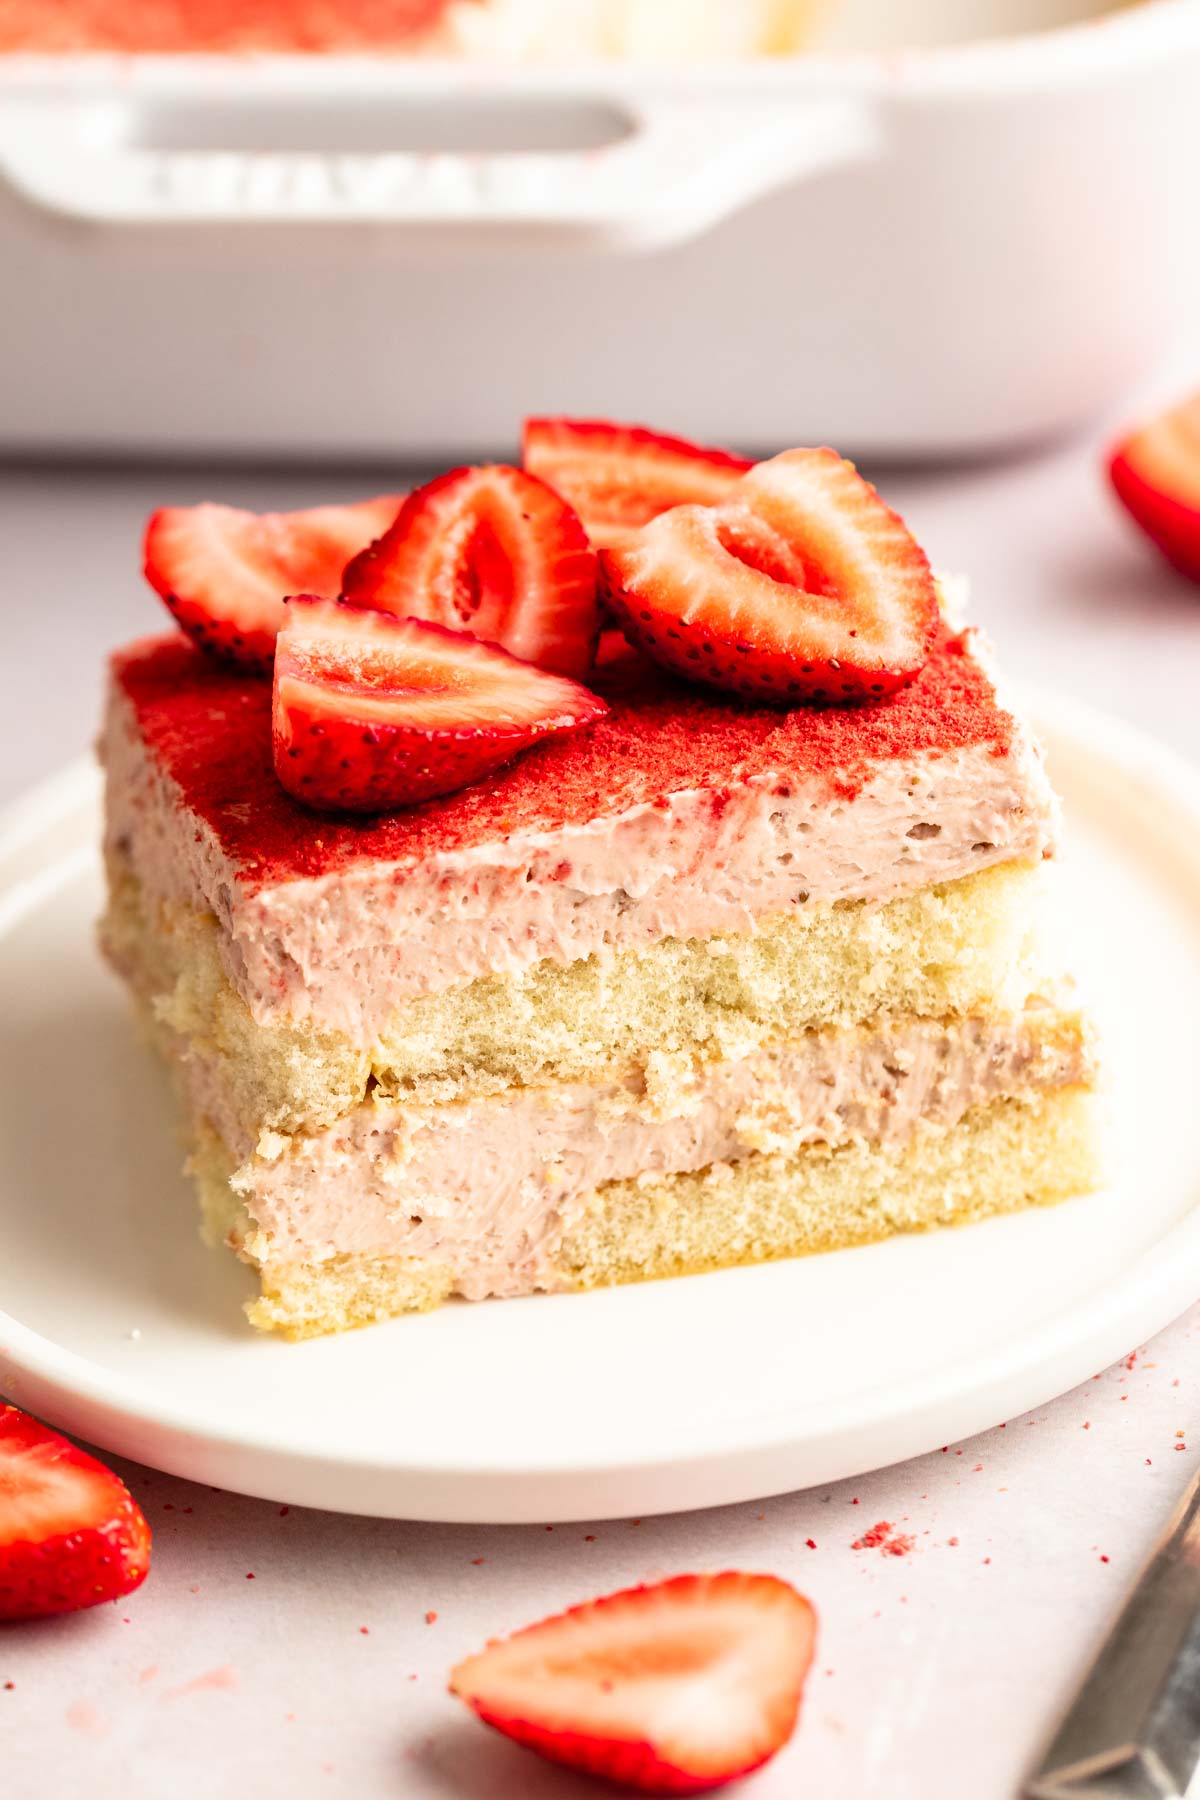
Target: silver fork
1132, 1731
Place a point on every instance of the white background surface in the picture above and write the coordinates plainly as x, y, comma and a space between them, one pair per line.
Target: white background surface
938, 1671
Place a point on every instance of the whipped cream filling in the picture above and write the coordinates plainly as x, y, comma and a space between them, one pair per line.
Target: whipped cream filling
343, 950
489, 1186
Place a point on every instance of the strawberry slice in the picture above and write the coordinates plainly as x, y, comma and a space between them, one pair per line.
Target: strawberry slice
495, 552
671, 1689
800, 586
71, 1535
1156, 472
372, 712
619, 477
224, 573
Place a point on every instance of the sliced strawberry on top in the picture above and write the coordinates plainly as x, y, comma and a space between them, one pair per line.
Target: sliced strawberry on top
802, 585
71, 1535
671, 1689
225, 573
495, 552
1156, 473
619, 477
372, 712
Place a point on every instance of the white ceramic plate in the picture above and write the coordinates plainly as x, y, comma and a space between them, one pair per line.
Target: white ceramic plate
120, 1326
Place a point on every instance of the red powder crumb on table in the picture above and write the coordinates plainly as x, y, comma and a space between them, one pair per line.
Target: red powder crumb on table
871, 1540
476, 1561
431, 1618
250, 1576
811, 1543
953, 1542
1104, 1559
886, 1539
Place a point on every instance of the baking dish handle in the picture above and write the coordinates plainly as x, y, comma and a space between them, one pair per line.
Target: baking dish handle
680, 168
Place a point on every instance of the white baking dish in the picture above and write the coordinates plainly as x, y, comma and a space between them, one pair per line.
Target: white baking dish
922, 253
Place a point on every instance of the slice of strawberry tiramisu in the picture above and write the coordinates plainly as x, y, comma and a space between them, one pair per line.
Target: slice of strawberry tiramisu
522, 29
492, 962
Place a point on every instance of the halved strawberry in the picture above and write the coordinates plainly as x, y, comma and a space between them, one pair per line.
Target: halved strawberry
224, 573
1156, 472
495, 552
800, 586
671, 1689
619, 477
71, 1535
372, 712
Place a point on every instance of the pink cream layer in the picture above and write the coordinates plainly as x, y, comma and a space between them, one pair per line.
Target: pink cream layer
489, 1186
681, 815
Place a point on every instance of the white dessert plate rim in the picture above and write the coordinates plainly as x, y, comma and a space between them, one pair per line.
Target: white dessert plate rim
762, 1451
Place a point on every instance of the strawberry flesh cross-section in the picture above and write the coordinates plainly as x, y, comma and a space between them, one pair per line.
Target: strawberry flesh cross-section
372, 712
1156, 473
619, 477
224, 573
675, 1688
801, 586
495, 552
71, 1534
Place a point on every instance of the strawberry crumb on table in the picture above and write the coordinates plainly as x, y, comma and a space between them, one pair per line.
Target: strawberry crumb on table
289, 1651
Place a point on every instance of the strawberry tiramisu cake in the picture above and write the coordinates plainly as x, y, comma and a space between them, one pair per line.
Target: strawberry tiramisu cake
505, 28
618, 866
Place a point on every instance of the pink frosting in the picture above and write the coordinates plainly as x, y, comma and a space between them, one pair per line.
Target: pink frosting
344, 949
488, 1186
